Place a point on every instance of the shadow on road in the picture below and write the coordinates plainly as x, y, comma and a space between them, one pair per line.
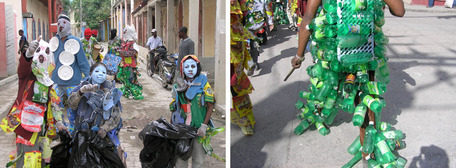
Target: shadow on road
430, 156
272, 115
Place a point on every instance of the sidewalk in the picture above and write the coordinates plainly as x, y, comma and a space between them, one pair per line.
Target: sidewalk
422, 8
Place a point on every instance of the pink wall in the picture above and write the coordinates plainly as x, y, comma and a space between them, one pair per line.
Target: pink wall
3, 59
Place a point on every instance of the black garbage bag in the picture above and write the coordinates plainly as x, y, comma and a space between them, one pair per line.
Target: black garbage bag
91, 151
164, 142
61, 152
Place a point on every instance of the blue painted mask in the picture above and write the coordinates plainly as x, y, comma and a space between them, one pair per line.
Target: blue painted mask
98, 75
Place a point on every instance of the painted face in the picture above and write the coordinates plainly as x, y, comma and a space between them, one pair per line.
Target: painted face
43, 63
98, 74
63, 27
190, 68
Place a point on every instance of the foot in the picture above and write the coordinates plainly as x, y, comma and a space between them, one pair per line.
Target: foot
429, 6
248, 131
257, 66
250, 71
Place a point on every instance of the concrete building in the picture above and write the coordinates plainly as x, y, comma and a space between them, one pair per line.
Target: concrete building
35, 17
205, 20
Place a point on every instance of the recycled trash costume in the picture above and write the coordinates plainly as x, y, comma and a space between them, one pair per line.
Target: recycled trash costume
128, 69
348, 46
97, 105
241, 112
192, 105
112, 58
70, 63
35, 114
88, 43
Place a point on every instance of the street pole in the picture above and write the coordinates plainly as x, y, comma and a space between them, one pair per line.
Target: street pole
80, 17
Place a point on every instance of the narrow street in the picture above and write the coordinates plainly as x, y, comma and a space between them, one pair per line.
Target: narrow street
136, 114
419, 100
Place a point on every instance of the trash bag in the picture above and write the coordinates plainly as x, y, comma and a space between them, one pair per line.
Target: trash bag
164, 142
61, 152
89, 150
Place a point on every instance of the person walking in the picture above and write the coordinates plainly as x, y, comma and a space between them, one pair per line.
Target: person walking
186, 45
23, 44
153, 42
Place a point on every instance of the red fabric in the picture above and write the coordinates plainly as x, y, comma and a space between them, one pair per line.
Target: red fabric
87, 32
301, 7
24, 73
95, 32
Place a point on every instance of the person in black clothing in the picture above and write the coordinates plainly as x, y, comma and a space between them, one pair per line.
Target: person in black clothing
23, 44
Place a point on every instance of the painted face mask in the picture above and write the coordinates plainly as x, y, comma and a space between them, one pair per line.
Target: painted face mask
63, 28
129, 33
190, 68
43, 63
98, 75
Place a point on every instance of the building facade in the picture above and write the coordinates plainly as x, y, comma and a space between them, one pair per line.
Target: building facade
35, 17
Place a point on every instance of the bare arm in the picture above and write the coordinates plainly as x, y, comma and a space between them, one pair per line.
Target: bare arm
396, 7
210, 107
311, 10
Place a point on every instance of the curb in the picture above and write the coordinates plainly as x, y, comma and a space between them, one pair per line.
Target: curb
8, 80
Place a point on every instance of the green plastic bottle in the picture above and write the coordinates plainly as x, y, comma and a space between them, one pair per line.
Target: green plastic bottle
373, 65
380, 38
380, 50
318, 35
350, 28
361, 75
348, 103
351, 40
330, 102
335, 66
364, 16
304, 113
358, 116
299, 104
356, 5
400, 162
383, 126
329, 120
356, 58
330, 30
374, 88
331, 18
355, 147
330, 6
306, 95
321, 128
317, 23
349, 84
370, 102
354, 160
326, 54
371, 163
323, 91
396, 144
316, 82
396, 134
384, 149
368, 146
305, 124
377, 29
379, 19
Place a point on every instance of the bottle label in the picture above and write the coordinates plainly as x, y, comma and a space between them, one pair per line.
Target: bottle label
350, 79
383, 126
389, 134
373, 88
359, 5
320, 21
354, 29
319, 126
329, 103
383, 147
325, 64
368, 100
360, 111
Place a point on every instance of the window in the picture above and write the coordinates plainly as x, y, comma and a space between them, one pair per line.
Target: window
33, 30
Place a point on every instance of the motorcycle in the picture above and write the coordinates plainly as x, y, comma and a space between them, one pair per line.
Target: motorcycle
163, 65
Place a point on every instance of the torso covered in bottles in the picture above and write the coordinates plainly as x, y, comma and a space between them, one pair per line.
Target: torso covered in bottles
128, 53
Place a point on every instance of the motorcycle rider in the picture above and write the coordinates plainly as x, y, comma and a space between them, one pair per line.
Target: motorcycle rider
153, 42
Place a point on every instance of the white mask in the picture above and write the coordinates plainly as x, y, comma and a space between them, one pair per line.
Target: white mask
66, 27
129, 33
190, 68
43, 63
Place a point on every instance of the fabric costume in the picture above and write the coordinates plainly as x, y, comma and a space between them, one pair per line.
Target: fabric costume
34, 113
241, 112
87, 46
257, 12
350, 74
128, 69
190, 106
112, 58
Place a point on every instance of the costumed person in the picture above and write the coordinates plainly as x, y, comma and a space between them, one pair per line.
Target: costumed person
241, 112
112, 58
128, 69
292, 14
197, 102
70, 63
350, 73
97, 105
89, 42
35, 114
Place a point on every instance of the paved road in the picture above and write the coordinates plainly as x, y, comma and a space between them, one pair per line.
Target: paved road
136, 115
420, 100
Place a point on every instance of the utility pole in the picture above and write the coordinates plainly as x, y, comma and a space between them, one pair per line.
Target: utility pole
80, 17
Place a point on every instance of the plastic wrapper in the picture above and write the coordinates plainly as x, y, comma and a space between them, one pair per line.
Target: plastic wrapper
164, 142
61, 152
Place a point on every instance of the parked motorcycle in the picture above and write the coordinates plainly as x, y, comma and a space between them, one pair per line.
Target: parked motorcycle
164, 65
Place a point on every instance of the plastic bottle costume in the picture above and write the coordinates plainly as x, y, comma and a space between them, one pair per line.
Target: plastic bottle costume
35, 115
349, 47
193, 98
88, 43
241, 112
97, 105
128, 69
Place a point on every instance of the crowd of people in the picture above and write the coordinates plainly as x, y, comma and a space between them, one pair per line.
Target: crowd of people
70, 74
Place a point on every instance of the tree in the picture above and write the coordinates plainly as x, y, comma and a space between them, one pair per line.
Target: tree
93, 11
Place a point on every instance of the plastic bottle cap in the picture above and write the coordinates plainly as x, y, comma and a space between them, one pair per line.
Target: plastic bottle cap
367, 157
371, 122
307, 27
